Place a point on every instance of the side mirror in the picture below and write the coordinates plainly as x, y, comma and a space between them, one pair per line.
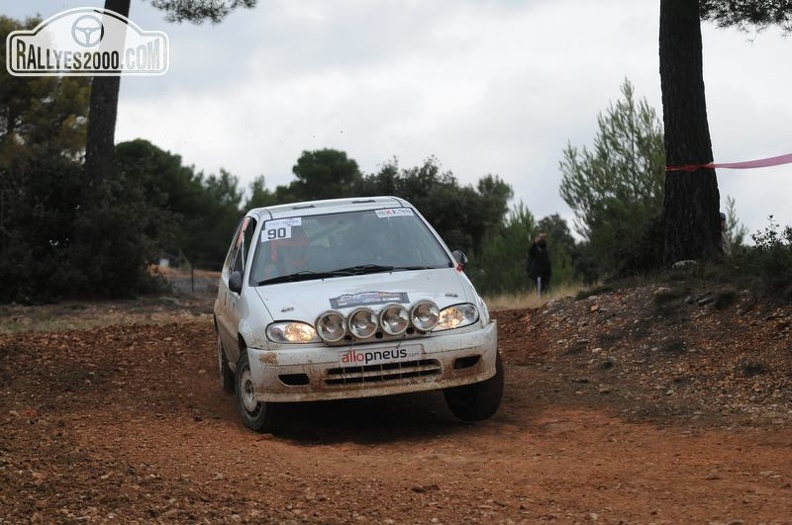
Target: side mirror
235, 282
461, 259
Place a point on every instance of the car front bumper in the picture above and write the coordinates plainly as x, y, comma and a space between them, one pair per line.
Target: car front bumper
293, 373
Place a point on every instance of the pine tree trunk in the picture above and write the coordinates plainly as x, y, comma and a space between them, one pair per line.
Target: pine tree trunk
100, 138
691, 200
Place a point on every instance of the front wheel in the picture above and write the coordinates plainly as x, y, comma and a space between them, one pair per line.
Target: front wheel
478, 401
257, 415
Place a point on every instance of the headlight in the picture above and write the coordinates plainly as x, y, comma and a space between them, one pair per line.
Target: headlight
291, 332
331, 326
363, 323
424, 315
394, 319
457, 316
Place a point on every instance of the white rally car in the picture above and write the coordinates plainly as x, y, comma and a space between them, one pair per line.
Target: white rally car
350, 298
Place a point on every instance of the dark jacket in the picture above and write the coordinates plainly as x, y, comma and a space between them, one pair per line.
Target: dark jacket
539, 261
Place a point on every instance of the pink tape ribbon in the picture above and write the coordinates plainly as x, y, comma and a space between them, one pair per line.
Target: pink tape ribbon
758, 163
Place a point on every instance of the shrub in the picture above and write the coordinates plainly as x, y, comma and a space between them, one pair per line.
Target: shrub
767, 264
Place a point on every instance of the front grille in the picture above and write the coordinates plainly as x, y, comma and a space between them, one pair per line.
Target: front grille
381, 373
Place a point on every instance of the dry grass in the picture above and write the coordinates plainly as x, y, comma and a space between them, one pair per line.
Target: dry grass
83, 315
530, 299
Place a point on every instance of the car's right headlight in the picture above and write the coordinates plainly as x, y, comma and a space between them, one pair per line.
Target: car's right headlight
291, 332
457, 316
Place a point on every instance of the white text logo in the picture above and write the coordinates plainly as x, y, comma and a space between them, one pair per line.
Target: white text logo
87, 41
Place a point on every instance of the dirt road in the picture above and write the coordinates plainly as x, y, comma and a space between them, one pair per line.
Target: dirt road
127, 424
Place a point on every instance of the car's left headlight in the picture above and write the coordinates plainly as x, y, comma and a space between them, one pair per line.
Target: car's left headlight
292, 332
457, 316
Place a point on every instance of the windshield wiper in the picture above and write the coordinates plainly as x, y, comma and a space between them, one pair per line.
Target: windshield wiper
379, 268
304, 275
361, 269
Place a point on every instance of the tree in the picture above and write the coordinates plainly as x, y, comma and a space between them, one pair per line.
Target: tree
171, 191
38, 203
563, 248
179, 210
39, 115
42, 139
690, 210
735, 230
324, 174
100, 208
102, 119
500, 267
259, 194
747, 14
463, 216
104, 89
385, 182
497, 193
616, 188
692, 201
208, 240
198, 11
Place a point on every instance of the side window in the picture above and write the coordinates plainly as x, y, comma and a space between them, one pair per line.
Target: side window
247, 243
243, 241
234, 248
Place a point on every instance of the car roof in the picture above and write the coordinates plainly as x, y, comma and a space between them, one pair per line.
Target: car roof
317, 207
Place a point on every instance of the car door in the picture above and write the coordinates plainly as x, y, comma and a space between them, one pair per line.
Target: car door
228, 300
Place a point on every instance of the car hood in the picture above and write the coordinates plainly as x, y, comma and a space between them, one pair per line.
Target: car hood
305, 300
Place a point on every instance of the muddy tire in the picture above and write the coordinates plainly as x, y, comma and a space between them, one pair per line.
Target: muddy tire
256, 415
478, 401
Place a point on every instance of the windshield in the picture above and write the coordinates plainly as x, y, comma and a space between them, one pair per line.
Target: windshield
320, 246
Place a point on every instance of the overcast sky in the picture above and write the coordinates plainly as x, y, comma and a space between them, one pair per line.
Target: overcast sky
486, 86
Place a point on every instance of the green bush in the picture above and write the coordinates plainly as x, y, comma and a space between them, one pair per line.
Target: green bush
767, 264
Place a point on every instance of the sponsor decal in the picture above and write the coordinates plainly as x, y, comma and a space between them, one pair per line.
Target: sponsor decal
368, 298
86, 41
394, 212
377, 357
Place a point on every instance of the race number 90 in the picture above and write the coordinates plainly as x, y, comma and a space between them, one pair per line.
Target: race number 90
279, 229
277, 233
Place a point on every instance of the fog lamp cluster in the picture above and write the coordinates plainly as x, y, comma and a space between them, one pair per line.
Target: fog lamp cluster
363, 323
393, 320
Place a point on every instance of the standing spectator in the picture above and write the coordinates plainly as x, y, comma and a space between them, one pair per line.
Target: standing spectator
539, 268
